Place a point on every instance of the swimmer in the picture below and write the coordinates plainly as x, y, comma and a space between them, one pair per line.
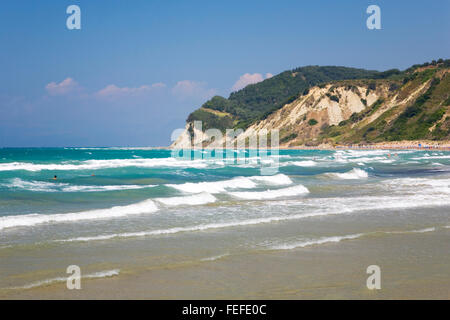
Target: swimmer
55, 177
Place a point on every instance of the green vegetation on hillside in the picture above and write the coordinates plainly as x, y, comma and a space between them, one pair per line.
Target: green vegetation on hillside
403, 128
358, 116
257, 101
211, 120
425, 117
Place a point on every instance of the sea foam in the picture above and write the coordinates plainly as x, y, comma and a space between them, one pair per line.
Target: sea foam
352, 174
235, 183
197, 199
195, 228
100, 274
104, 164
146, 206
241, 223
304, 163
319, 241
271, 194
43, 186
335, 239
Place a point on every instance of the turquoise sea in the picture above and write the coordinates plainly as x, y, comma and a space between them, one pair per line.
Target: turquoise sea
118, 211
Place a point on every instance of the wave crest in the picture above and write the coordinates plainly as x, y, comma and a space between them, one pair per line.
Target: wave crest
197, 199
235, 183
43, 186
147, 206
271, 194
352, 174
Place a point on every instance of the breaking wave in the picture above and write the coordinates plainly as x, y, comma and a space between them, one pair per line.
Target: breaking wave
146, 206
197, 199
43, 186
104, 164
271, 194
305, 163
201, 227
235, 183
352, 174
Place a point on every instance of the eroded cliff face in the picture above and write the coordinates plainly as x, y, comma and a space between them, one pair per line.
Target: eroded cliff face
351, 111
194, 136
302, 120
327, 105
184, 139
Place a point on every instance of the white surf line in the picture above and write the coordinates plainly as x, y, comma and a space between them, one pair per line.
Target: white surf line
271, 194
94, 188
100, 274
345, 210
146, 206
303, 163
196, 199
319, 241
431, 229
43, 186
202, 227
352, 174
214, 258
234, 183
304, 243
104, 164
143, 207
149, 206
432, 157
335, 239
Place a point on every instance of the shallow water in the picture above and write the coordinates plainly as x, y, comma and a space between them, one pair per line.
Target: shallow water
120, 211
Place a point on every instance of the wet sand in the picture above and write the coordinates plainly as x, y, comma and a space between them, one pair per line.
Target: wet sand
413, 266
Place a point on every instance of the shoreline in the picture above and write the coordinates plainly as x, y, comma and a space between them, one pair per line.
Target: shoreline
293, 274
281, 246
419, 145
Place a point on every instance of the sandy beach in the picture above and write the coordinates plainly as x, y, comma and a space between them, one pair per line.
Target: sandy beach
412, 267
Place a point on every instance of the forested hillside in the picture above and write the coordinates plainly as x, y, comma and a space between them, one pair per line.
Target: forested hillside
337, 105
256, 101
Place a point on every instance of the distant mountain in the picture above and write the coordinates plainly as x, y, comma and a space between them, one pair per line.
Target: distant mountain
338, 105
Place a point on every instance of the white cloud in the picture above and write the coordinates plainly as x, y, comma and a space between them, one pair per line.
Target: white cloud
159, 85
113, 91
64, 87
186, 89
192, 89
249, 78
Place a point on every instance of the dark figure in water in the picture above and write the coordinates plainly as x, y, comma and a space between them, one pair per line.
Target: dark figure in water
55, 177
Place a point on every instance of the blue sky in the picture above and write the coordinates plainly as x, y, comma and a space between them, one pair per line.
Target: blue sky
136, 69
